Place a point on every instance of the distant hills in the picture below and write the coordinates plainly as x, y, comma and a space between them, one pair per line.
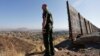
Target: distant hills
18, 29
27, 29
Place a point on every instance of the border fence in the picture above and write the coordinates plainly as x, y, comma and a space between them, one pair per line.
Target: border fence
78, 25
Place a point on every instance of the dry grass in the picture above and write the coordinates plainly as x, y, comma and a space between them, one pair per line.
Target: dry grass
59, 40
10, 46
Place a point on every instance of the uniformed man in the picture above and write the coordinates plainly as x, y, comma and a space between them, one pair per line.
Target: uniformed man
47, 26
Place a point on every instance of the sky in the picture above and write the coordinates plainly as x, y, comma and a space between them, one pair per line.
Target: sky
28, 13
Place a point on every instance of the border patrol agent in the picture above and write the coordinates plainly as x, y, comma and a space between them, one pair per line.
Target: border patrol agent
47, 26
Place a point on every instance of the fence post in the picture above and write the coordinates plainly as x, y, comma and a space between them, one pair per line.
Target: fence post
86, 25
80, 24
69, 20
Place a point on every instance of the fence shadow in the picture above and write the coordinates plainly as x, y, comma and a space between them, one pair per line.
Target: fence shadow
75, 47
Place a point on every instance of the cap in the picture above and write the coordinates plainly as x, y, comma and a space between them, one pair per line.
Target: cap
44, 5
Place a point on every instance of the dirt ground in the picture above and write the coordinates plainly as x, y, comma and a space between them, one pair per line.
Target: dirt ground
23, 47
88, 49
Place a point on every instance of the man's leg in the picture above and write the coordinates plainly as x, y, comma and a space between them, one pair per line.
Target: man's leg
51, 43
46, 44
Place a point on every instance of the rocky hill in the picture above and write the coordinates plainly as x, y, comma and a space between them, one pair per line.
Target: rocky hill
29, 43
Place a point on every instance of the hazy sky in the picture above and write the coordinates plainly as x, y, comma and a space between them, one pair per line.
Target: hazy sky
28, 13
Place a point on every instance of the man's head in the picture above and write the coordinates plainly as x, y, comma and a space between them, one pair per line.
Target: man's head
44, 7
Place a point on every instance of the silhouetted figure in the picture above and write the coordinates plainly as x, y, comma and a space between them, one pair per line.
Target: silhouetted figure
47, 26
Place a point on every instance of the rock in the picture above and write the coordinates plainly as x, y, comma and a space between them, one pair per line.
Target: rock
56, 49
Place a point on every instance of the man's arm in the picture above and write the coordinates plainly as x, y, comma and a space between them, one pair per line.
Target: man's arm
44, 22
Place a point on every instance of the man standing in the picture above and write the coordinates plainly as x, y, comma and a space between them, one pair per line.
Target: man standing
47, 26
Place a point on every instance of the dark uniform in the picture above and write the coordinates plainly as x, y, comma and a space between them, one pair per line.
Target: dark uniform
47, 35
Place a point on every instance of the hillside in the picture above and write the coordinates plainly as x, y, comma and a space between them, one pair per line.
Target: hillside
11, 46
25, 43
22, 43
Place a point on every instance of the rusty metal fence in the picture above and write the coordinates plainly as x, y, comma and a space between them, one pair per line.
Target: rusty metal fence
78, 25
